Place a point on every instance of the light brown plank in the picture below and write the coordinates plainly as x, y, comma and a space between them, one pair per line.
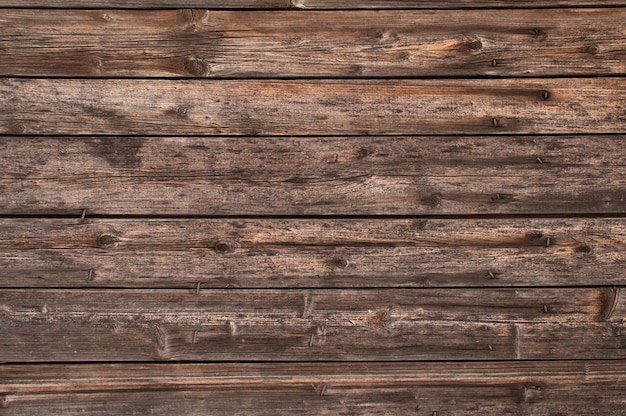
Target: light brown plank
328, 107
200, 43
311, 253
312, 175
512, 388
295, 325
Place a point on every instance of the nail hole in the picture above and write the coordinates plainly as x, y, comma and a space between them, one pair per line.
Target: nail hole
545, 94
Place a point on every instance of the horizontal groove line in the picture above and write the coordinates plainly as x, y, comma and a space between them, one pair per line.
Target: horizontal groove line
303, 288
316, 135
318, 9
308, 362
321, 78
319, 217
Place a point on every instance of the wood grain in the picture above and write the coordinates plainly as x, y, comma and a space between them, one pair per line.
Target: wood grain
296, 325
416, 175
283, 253
201, 43
496, 388
307, 4
319, 107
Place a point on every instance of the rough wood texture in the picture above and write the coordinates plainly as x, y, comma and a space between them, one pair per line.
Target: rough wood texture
292, 325
320, 107
200, 43
311, 253
512, 388
307, 4
312, 175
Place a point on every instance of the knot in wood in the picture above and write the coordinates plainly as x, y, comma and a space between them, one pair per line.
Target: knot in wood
223, 247
338, 263
106, 240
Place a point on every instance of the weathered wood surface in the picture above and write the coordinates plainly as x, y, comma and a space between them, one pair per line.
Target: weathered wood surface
312, 175
201, 43
292, 325
497, 388
308, 4
246, 253
312, 107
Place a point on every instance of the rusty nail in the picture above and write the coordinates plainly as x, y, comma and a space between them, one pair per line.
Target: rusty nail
545, 94
539, 160
548, 242
490, 347
495, 122
83, 214
311, 340
545, 308
491, 275
90, 275
195, 337
198, 288
494, 62
323, 391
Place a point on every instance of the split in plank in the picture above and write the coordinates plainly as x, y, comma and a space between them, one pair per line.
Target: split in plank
283, 253
313, 175
311, 107
201, 43
496, 388
291, 325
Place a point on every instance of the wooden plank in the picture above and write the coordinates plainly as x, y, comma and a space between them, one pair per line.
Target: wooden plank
201, 43
307, 4
312, 175
292, 325
157, 4
330, 107
283, 253
496, 388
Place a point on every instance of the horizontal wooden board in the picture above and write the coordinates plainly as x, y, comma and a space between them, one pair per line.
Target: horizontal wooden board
313, 107
512, 388
312, 175
306, 4
290, 325
245, 253
201, 43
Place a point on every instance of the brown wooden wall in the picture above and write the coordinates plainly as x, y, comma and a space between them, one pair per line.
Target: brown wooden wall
279, 207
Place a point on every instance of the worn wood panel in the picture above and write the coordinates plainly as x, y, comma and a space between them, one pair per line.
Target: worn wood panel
312, 175
306, 4
175, 4
291, 325
496, 388
200, 43
322, 107
247, 253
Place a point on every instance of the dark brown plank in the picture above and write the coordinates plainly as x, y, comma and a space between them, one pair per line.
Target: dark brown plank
311, 253
291, 325
512, 388
329, 107
312, 175
200, 43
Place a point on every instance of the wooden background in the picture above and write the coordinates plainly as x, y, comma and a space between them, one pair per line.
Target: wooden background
368, 207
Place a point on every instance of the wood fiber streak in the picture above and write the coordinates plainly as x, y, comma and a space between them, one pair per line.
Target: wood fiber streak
496, 388
242, 44
312, 176
292, 325
319, 107
304, 253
